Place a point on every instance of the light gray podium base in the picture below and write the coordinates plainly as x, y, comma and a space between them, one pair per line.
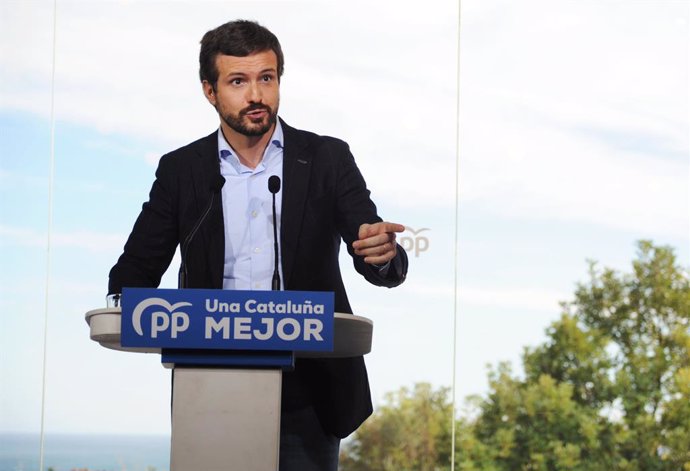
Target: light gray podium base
206, 401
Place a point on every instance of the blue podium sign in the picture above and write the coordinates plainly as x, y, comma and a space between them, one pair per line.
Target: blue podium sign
227, 320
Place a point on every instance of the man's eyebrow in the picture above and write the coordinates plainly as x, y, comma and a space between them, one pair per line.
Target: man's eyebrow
235, 74
239, 73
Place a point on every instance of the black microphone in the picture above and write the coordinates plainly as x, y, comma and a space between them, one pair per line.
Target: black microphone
214, 188
274, 187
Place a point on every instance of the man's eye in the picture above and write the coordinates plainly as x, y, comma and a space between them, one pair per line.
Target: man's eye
236, 81
267, 78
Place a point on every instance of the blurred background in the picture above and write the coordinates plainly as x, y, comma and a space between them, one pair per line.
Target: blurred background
515, 140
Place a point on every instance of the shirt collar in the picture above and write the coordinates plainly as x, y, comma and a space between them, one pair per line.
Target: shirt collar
225, 152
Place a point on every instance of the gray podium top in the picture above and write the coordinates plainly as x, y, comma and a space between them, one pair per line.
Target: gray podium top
351, 334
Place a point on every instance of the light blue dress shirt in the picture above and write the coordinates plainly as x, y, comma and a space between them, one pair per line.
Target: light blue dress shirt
248, 215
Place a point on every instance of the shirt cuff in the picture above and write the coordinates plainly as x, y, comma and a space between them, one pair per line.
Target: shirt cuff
383, 269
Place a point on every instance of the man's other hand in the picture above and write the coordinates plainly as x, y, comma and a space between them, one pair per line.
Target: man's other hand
376, 242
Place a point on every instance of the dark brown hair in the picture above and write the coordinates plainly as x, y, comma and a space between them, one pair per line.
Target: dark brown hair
238, 38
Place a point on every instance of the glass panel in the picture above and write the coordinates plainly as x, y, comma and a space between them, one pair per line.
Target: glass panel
381, 76
574, 145
26, 58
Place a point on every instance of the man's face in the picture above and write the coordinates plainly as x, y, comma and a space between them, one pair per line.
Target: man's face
247, 92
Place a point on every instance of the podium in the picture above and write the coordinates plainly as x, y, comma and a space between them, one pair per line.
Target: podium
228, 418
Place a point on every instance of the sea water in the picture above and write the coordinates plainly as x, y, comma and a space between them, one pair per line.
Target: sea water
21, 452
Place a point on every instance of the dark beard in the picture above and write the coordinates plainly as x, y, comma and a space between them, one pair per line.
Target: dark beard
237, 123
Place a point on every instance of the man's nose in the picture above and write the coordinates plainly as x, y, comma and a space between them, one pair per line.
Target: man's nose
254, 93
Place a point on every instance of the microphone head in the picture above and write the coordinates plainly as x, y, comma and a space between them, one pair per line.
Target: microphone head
274, 184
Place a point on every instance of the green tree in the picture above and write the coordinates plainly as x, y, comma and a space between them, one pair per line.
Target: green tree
610, 388
410, 431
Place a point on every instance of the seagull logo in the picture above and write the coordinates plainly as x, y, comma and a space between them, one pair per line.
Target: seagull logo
415, 243
146, 303
407, 228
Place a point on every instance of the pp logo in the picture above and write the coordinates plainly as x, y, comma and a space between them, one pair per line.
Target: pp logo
415, 243
161, 321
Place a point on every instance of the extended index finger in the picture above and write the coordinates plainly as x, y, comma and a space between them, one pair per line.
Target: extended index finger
392, 227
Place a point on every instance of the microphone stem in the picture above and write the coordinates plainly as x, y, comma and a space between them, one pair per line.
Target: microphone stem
275, 283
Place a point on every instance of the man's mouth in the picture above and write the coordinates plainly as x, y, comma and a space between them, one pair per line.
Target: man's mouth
256, 113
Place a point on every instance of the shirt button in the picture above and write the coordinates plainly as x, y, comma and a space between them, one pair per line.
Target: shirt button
257, 249
254, 214
257, 285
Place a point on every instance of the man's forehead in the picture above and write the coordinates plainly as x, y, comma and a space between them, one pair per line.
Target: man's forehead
260, 61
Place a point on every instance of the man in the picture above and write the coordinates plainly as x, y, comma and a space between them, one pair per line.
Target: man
323, 199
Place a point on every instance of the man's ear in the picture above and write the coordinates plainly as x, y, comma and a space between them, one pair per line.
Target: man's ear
209, 92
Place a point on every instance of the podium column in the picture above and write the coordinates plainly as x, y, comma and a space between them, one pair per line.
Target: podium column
225, 419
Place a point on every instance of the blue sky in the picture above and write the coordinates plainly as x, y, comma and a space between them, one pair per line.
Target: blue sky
573, 144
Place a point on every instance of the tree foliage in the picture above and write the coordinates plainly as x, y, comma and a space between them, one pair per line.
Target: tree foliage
609, 389
410, 431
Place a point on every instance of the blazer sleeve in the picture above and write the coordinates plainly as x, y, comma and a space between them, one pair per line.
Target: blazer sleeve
354, 208
154, 238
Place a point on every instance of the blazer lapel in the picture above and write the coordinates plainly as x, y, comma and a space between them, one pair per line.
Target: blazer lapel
212, 232
297, 161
